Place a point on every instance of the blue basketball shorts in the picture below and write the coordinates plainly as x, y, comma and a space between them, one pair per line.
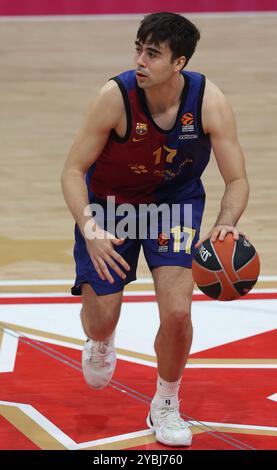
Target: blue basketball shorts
167, 239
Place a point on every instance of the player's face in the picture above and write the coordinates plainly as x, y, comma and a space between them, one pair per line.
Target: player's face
154, 65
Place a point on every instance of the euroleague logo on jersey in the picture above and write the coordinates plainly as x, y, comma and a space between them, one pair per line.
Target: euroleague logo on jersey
188, 127
188, 122
187, 119
163, 242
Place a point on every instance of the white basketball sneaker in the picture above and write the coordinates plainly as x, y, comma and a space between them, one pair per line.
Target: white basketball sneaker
165, 420
98, 362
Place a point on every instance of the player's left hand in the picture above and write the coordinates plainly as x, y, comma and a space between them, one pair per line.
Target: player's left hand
219, 232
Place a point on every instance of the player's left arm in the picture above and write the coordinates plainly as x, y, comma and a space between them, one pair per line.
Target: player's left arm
219, 122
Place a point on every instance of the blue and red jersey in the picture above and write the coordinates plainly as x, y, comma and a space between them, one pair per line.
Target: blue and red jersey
150, 164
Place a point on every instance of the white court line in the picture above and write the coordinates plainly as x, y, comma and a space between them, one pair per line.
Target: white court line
63, 438
126, 293
8, 352
273, 397
199, 365
44, 423
67, 294
36, 282
67, 282
125, 357
70, 444
35, 294
58, 282
237, 426
191, 423
137, 360
129, 16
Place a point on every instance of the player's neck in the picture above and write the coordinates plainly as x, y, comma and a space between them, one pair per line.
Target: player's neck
162, 97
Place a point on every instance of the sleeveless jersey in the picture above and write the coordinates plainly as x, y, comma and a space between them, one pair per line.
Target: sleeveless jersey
150, 164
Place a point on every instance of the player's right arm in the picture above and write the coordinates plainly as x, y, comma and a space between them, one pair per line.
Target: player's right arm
103, 115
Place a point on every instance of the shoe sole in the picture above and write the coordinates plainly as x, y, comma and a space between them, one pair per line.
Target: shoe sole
164, 441
97, 387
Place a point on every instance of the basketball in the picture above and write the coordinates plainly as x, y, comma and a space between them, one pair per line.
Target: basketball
226, 270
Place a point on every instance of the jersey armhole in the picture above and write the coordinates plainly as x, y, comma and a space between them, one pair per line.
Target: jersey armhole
199, 105
127, 106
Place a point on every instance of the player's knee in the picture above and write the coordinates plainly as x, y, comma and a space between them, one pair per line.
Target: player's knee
98, 324
177, 320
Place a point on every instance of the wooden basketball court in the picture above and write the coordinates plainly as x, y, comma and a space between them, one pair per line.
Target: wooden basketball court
50, 71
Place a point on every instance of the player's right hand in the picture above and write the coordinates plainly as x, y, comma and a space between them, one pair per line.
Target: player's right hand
103, 255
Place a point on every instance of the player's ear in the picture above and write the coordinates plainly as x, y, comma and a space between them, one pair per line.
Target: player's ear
180, 63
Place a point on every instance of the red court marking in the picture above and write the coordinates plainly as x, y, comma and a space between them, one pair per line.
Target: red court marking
237, 396
261, 346
205, 441
13, 438
80, 7
126, 298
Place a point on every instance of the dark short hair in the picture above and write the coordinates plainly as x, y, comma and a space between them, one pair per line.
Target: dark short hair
180, 33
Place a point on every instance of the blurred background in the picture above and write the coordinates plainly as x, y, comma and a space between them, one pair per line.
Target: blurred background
55, 56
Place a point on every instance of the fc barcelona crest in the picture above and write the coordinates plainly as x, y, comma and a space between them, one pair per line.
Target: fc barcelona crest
141, 128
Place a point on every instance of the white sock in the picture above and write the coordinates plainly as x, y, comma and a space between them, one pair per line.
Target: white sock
166, 390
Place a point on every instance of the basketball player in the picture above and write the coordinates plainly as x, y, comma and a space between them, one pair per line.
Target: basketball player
147, 139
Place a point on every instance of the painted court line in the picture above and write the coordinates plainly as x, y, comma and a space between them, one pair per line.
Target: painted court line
20, 300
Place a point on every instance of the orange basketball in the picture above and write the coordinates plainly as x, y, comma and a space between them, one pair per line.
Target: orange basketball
226, 270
